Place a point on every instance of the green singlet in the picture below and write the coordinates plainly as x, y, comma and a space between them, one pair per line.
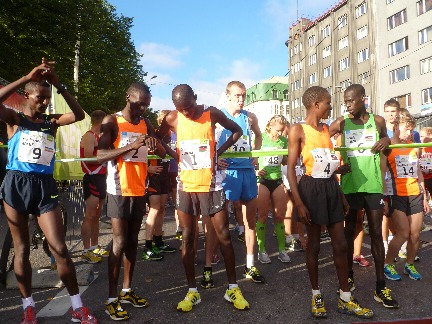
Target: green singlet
272, 164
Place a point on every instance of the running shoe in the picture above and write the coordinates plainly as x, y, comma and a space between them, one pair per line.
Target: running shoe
284, 257
412, 272
151, 255
294, 245
263, 257
132, 298
90, 257
235, 296
29, 316
82, 315
165, 248
324, 236
318, 309
361, 261
215, 259
178, 235
115, 311
241, 237
384, 297
391, 273
100, 251
353, 308
207, 280
253, 273
192, 298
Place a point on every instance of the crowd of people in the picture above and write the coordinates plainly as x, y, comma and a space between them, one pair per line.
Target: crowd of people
310, 190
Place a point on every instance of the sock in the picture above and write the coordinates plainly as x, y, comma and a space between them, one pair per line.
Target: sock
345, 295
110, 300
296, 236
260, 234
91, 248
280, 236
193, 289
249, 261
149, 244
126, 290
231, 286
76, 301
241, 229
380, 285
28, 302
390, 237
158, 240
403, 248
316, 292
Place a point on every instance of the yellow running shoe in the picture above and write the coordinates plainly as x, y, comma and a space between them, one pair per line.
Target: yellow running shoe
100, 251
353, 308
318, 309
90, 257
192, 298
115, 311
235, 296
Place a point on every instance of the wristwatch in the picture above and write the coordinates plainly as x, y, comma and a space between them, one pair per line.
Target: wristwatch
61, 89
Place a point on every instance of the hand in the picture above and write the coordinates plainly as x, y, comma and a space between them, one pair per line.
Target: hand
254, 161
304, 215
154, 169
380, 146
151, 143
346, 206
139, 141
40, 72
303, 242
343, 169
222, 164
426, 207
50, 74
262, 173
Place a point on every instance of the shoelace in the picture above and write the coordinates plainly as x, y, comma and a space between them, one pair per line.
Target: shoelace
319, 302
412, 269
386, 293
392, 269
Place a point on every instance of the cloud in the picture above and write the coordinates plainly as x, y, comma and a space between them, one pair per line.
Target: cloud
160, 56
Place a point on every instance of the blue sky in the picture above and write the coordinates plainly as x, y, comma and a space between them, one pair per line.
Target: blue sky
206, 44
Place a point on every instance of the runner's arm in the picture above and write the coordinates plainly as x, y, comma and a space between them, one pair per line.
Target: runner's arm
253, 121
219, 117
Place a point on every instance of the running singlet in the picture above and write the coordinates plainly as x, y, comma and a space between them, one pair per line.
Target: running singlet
242, 145
196, 151
403, 167
272, 164
127, 174
32, 147
92, 168
425, 162
317, 154
365, 175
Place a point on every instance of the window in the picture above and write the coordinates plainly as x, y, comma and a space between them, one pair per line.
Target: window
344, 64
364, 78
361, 10
426, 65
327, 72
426, 96
404, 100
297, 67
425, 35
345, 84
363, 55
423, 6
327, 51
312, 78
397, 19
325, 31
399, 46
312, 59
286, 95
296, 49
296, 103
342, 21
362, 32
343, 42
275, 94
297, 84
400, 74
312, 40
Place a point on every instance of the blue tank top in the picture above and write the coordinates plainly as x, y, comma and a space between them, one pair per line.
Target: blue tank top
32, 148
243, 144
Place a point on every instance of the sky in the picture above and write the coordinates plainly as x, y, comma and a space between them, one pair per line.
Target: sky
206, 44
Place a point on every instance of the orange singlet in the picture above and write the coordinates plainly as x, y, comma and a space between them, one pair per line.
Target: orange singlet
127, 174
403, 167
196, 148
426, 162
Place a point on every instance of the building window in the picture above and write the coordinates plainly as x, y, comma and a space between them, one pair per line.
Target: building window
312, 40
297, 84
343, 42
327, 72
426, 65
399, 46
427, 96
423, 6
312, 78
344, 64
327, 51
361, 9
397, 19
400, 74
364, 78
275, 94
297, 67
362, 32
345, 84
312, 59
342, 21
425, 35
296, 49
404, 100
296, 103
363, 55
325, 31
286, 95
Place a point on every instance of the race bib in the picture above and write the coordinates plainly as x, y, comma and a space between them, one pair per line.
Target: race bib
325, 163
406, 166
242, 144
359, 138
139, 155
36, 147
195, 154
425, 163
272, 161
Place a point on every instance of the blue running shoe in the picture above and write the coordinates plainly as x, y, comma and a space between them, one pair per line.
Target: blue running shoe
410, 270
391, 273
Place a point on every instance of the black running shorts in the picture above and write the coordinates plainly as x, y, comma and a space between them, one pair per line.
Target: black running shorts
94, 184
126, 207
200, 203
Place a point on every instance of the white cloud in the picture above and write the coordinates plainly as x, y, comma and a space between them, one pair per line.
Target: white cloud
160, 56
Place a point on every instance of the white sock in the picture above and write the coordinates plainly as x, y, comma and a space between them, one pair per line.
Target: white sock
404, 248
288, 237
125, 290
241, 229
193, 290
345, 295
296, 236
390, 238
316, 292
28, 302
110, 300
91, 248
231, 286
249, 261
76, 301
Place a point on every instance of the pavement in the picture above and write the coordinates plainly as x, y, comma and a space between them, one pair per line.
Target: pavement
284, 298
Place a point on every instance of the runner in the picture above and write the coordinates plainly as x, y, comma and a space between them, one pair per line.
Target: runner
363, 187
29, 186
318, 198
198, 189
